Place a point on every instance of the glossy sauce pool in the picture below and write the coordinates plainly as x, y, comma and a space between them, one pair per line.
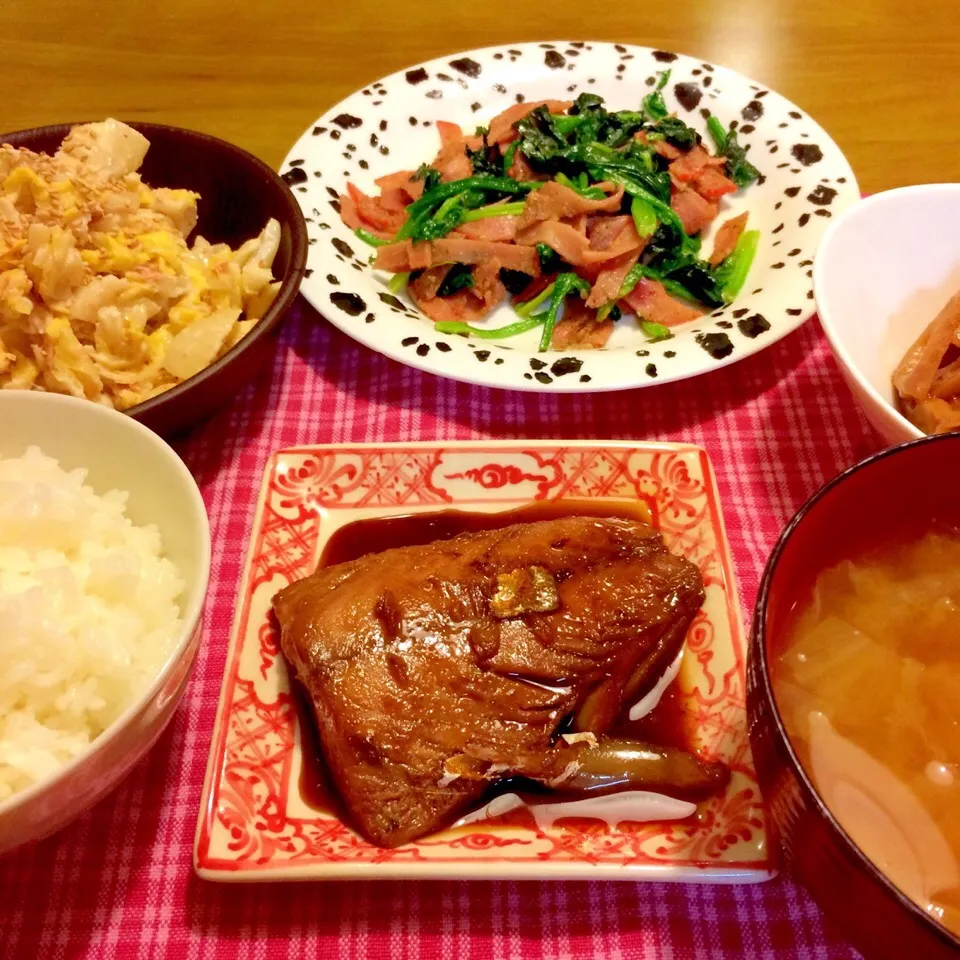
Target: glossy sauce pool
671, 723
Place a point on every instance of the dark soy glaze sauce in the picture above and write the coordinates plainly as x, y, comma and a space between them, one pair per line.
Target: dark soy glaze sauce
672, 723
316, 785
361, 537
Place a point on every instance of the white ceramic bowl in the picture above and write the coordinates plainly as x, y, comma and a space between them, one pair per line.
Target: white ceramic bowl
882, 273
118, 453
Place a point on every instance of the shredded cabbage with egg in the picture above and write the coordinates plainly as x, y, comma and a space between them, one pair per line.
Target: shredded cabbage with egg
100, 294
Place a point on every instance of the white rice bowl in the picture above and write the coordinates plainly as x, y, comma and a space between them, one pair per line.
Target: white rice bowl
89, 615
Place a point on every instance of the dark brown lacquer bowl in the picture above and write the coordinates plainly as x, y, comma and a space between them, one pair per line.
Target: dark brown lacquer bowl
238, 195
909, 484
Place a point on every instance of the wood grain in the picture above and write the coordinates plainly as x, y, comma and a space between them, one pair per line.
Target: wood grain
880, 75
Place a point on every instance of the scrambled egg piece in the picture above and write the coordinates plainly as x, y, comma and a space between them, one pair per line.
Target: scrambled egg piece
100, 294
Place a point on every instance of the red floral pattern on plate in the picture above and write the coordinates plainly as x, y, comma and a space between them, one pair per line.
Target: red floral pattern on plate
253, 823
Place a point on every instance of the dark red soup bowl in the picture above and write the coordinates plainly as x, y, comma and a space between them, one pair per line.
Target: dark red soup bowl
238, 195
912, 486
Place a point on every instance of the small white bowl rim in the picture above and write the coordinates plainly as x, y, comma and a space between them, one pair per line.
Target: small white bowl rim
823, 307
190, 616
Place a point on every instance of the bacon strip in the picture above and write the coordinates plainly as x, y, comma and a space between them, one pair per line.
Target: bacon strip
727, 237
554, 201
496, 229
520, 169
604, 231
650, 300
407, 255
712, 185
599, 241
425, 286
579, 223
464, 305
694, 212
501, 126
574, 247
607, 286
357, 210
698, 169
689, 166
401, 180
452, 160
579, 328
666, 150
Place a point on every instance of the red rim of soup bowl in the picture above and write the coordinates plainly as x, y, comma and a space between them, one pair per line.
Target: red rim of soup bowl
182, 157
880, 920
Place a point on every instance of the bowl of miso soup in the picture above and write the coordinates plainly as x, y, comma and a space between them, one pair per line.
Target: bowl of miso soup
854, 699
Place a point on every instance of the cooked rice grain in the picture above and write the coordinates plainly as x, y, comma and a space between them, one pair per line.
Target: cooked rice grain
89, 614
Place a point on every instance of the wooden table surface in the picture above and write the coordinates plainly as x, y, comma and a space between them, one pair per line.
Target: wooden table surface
880, 75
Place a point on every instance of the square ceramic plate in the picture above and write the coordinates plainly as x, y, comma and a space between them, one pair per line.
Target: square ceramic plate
254, 823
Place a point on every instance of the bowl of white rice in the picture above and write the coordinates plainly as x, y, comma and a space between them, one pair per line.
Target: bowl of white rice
104, 561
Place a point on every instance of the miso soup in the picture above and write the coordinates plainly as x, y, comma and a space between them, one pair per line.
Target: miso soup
868, 684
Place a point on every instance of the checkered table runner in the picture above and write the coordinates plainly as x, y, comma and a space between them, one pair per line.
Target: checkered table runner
118, 883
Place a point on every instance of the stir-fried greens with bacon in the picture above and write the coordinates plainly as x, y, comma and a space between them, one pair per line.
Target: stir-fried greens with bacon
579, 213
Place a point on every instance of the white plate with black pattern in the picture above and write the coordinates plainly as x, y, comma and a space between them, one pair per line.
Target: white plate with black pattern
390, 126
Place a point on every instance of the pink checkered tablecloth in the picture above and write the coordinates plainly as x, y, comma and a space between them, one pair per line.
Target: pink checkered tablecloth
118, 883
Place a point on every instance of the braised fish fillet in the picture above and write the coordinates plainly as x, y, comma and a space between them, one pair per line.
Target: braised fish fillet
434, 670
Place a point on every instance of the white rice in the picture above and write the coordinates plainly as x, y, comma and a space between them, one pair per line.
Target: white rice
89, 613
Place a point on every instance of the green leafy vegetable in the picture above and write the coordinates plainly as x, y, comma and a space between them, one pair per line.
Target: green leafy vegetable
675, 131
579, 149
508, 156
585, 103
609, 310
643, 271
550, 260
565, 284
429, 175
644, 217
636, 274
499, 333
505, 185
486, 160
717, 134
620, 128
563, 125
732, 273
591, 193
559, 142
655, 332
529, 308
664, 252
670, 222
739, 169
495, 210
637, 161
442, 209
654, 106
540, 141
460, 277
664, 126
398, 282
367, 237
445, 218
698, 282
515, 280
